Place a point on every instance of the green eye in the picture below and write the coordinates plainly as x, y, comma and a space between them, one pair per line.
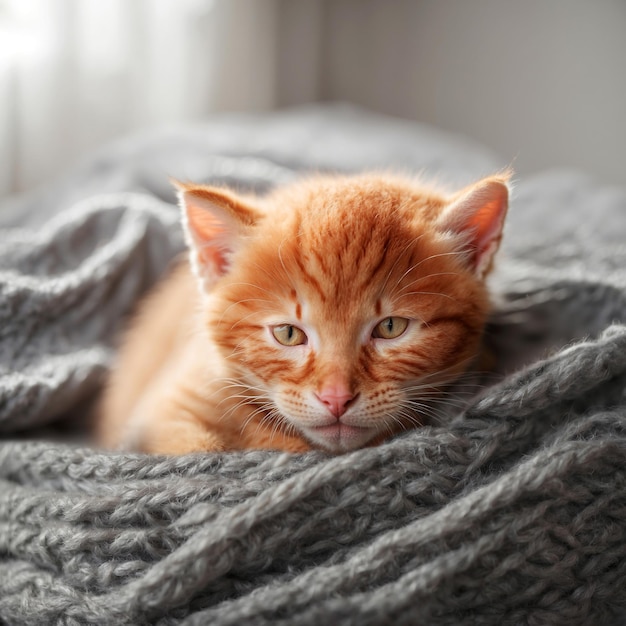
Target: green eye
390, 328
289, 335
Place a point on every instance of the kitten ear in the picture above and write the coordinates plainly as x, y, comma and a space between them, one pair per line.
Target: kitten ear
477, 215
215, 221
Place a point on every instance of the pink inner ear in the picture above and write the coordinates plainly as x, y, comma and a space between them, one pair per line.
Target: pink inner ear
208, 234
210, 256
204, 224
214, 220
479, 214
487, 224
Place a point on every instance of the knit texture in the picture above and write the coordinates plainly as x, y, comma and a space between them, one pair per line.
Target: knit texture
514, 513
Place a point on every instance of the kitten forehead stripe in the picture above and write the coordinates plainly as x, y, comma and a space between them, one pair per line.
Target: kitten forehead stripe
310, 279
381, 263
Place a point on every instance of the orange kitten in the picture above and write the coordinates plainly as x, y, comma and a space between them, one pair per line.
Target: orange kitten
329, 314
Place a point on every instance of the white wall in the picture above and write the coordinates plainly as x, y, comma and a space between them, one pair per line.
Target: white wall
543, 82
77, 73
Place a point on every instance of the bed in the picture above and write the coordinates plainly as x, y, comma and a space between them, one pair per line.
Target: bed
514, 513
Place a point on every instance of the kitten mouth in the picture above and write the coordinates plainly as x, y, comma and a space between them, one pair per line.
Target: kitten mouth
340, 437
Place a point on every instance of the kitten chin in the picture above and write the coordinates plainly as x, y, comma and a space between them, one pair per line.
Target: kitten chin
332, 313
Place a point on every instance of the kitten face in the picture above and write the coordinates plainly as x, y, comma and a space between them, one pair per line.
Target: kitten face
345, 306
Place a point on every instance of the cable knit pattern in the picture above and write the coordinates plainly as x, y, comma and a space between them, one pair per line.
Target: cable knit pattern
514, 513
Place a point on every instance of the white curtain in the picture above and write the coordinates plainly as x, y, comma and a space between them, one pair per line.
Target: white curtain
75, 73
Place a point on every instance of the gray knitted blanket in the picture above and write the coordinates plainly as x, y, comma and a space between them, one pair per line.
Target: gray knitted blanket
515, 513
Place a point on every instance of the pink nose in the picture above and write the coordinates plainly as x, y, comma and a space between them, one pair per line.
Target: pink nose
337, 399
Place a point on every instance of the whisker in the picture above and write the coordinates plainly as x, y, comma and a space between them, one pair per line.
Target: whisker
237, 349
230, 306
424, 293
254, 286
438, 413
264, 411
243, 319
278, 419
398, 258
385, 420
427, 276
429, 258
282, 263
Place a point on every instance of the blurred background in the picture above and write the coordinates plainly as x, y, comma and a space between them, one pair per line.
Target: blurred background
541, 82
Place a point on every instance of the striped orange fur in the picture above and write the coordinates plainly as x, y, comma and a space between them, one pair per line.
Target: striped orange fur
331, 313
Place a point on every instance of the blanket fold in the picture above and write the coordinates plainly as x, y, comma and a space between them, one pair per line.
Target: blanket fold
515, 505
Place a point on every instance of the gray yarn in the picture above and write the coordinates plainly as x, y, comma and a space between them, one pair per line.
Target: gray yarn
514, 513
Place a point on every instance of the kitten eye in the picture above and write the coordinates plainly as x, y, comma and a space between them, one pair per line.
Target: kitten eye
390, 328
289, 335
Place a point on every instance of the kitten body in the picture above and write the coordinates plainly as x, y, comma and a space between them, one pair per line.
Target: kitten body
332, 313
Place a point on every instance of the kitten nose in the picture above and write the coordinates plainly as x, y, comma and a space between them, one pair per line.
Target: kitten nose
337, 399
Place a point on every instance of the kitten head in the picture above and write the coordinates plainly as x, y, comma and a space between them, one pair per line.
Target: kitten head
346, 304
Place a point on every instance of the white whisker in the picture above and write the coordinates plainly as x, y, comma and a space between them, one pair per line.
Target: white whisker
398, 258
429, 258
423, 293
